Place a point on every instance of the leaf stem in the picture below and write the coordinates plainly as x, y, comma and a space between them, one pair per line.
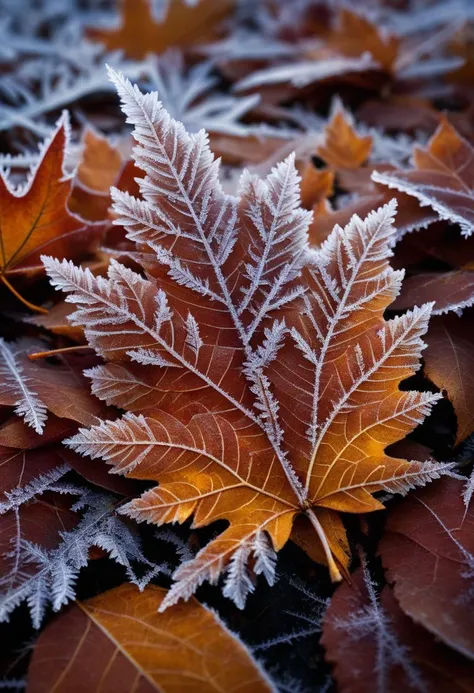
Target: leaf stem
333, 569
29, 305
57, 352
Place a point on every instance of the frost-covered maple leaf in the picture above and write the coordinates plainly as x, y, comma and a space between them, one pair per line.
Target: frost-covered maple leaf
261, 380
442, 177
35, 216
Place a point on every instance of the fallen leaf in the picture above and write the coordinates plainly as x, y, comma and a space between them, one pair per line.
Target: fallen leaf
56, 321
119, 641
35, 218
100, 162
355, 35
442, 177
449, 364
400, 112
341, 146
451, 291
289, 418
316, 185
428, 553
34, 387
20, 467
140, 33
102, 165
14, 433
38, 524
368, 638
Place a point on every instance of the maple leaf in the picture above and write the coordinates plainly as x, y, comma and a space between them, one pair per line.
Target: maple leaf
342, 149
443, 177
101, 165
342, 146
184, 24
367, 637
35, 218
350, 157
122, 637
428, 551
251, 408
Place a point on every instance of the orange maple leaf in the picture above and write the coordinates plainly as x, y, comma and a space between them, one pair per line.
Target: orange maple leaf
342, 147
35, 218
261, 380
139, 33
343, 150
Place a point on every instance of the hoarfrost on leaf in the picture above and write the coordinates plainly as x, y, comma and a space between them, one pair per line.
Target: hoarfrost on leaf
237, 307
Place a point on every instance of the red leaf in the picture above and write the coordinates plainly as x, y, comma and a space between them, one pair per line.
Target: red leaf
428, 551
374, 646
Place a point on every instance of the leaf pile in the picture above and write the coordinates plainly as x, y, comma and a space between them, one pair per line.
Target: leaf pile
236, 346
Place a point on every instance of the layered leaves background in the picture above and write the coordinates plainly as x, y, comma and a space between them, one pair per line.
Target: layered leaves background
242, 354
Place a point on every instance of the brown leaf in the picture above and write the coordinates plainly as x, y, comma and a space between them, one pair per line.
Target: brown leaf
98, 475
449, 364
100, 163
410, 215
354, 35
344, 152
289, 419
139, 33
451, 291
37, 522
302, 534
342, 147
370, 641
14, 433
400, 112
316, 186
443, 177
35, 387
118, 641
19, 467
428, 550
56, 321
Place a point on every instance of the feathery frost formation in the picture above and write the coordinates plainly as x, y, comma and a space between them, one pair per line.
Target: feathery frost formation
260, 378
